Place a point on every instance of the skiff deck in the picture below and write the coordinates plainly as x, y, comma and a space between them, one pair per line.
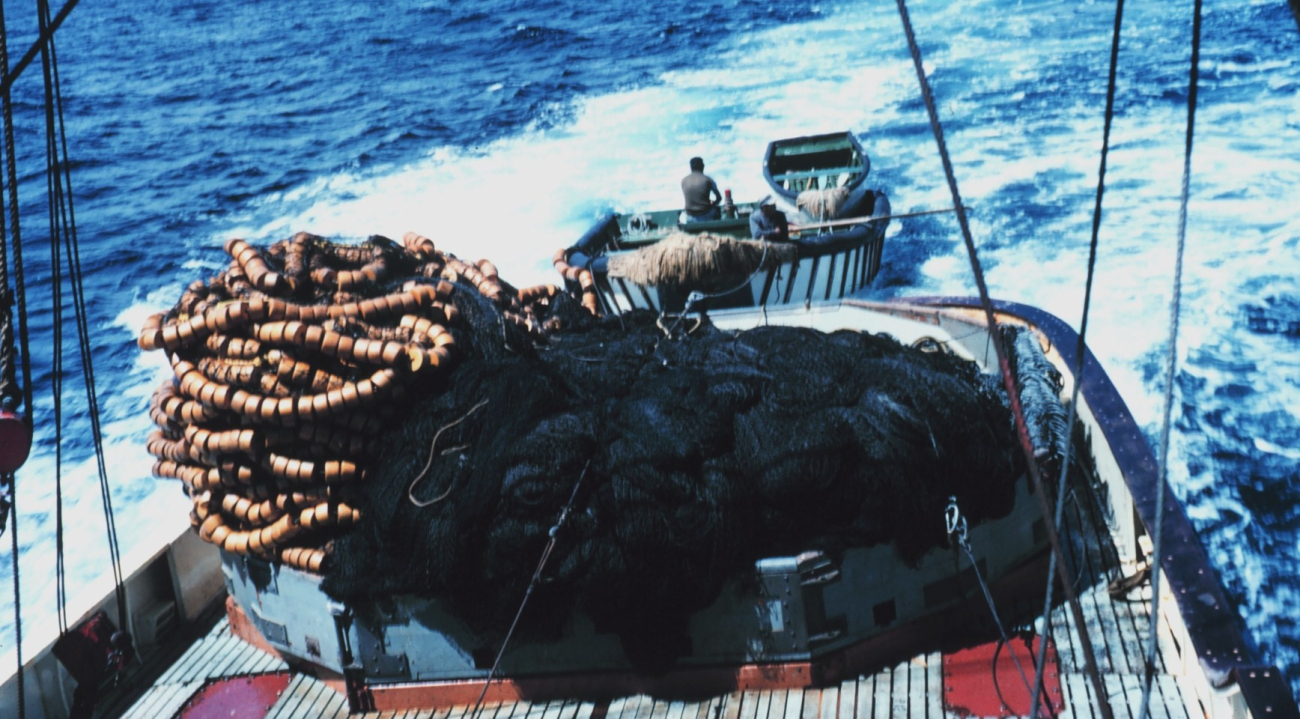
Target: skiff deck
916, 687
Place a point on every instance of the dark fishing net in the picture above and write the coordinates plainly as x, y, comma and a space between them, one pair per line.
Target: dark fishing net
1039, 384
697, 457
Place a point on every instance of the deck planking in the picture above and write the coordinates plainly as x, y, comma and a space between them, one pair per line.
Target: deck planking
913, 688
830, 699
1119, 628
882, 691
731, 709
848, 699
762, 704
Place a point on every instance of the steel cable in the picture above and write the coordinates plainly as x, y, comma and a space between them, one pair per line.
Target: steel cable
996, 339
18, 607
54, 192
45, 35
532, 584
1081, 347
11, 167
9, 482
1171, 361
957, 529
63, 223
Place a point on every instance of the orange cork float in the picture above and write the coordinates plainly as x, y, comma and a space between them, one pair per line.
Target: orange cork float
289, 365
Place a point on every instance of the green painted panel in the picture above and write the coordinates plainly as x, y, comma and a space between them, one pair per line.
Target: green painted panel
803, 148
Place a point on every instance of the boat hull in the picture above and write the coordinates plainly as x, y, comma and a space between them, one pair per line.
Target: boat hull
809, 608
793, 620
830, 265
817, 162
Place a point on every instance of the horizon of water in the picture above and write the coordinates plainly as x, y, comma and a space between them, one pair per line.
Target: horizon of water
504, 130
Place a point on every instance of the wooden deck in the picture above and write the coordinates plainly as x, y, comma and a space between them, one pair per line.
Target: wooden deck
217, 655
914, 688
910, 689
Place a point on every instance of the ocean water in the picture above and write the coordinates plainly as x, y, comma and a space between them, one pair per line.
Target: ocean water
502, 128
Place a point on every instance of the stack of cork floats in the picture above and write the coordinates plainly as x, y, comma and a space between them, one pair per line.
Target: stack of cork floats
287, 366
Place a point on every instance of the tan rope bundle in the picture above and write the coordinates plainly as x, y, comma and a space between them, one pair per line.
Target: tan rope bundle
285, 369
701, 261
822, 204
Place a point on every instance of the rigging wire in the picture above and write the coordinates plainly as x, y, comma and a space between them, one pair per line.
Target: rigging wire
46, 34
7, 351
1171, 359
20, 285
54, 189
18, 607
56, 390
66, 227
63, 225
553, 534
957, 534
1021, 428
1080, 348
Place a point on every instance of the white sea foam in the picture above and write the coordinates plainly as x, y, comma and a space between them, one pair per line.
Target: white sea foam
519, 198
1264, 445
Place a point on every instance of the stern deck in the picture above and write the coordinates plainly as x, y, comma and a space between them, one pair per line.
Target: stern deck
914, 687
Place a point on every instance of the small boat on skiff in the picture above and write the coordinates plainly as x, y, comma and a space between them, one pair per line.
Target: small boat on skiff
837, 236
834, 161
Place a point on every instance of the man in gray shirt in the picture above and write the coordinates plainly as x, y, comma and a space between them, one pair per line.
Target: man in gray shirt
701, 193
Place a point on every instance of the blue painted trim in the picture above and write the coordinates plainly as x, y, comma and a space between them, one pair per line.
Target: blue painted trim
1217, 633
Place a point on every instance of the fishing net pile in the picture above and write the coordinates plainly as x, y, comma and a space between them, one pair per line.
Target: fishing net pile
287, 368
405, 422
691, 458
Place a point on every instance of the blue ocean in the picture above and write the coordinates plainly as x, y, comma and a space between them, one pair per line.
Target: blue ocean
503, 128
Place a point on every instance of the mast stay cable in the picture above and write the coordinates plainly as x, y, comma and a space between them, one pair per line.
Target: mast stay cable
45, 36
10, 390
1080, 349
1021, 428
1171, 360
54, 189
553, 537
64, 227
62, 230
